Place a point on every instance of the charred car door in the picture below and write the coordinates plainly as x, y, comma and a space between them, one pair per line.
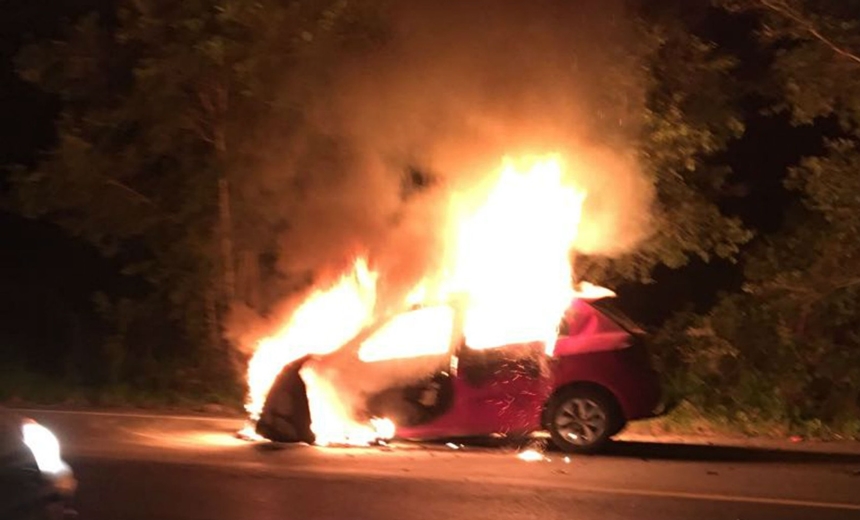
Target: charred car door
405, 363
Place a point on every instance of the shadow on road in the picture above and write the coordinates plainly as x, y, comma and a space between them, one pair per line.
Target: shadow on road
712, 453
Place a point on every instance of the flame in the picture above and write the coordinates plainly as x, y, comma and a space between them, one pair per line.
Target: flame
426, 331
589, 291
512, 256
323, 322
418, 295
332, 419
507, 263
249, 433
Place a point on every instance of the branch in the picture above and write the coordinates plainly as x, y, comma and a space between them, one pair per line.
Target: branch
198, 126
808, 27
139, 196
128, 189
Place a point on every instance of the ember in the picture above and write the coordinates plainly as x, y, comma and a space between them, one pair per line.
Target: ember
531, 455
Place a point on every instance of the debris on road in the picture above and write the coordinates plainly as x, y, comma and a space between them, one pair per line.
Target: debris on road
532, 455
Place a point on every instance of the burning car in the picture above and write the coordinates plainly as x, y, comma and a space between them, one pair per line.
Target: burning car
416, 369
481, 352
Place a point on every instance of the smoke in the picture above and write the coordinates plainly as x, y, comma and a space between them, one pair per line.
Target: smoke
386, 135
454, 88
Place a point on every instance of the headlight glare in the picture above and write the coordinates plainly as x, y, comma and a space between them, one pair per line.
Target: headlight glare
45, 447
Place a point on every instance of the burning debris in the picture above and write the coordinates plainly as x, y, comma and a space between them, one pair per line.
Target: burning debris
532, 455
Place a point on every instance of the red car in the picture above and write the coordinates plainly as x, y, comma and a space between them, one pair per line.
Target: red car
597, 378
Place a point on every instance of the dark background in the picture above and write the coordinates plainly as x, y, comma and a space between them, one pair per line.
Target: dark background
48, 278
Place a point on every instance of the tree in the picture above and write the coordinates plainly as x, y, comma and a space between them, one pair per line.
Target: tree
170, 108
692, 113
811, 271
794, 331
153, 140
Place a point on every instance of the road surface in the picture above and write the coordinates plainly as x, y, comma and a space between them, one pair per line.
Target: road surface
149, 467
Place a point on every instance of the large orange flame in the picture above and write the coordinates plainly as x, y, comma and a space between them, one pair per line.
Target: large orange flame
508, 261
321, 324
332, 419
512, 255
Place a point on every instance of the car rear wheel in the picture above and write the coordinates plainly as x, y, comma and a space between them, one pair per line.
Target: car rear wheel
581, 420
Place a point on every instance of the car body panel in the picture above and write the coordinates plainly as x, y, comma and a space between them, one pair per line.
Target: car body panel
497, 397
636, 388
502, 390
594, 350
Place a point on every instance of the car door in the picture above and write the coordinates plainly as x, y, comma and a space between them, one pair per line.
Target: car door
502, 388
404, 362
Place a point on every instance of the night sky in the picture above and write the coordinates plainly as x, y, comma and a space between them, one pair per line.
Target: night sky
45, 274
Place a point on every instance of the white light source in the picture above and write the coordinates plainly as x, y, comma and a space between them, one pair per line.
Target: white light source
45, 447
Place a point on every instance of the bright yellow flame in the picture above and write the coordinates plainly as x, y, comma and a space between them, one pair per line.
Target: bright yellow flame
332, 419
421, 332
326, 320
512, 257
418, 295
589, 291
508, 265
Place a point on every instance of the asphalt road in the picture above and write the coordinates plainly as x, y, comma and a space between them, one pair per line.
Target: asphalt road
134, 467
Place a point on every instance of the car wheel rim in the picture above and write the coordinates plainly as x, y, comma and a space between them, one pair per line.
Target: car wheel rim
580, 421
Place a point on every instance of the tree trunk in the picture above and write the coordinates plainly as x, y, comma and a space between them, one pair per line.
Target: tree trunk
212, 321
225, 232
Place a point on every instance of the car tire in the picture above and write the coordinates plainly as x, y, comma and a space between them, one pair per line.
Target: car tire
616, 429
583, 419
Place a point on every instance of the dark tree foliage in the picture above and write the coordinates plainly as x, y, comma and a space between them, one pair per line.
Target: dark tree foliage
788, 347
691, 115
153, 144
165, 105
